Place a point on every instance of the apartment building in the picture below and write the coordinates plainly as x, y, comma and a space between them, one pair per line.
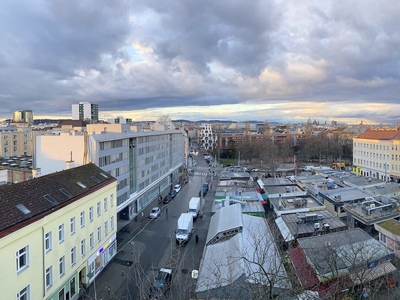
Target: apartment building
16, 139
207, 139
145, 163
57, 232
24, 116
85, 111
376, 153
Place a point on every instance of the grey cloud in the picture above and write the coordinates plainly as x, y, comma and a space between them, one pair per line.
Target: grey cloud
55, 53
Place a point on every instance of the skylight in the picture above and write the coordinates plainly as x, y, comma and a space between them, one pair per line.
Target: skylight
104, 175
23, 209
65, 192
95, 179
50, 199
81, 185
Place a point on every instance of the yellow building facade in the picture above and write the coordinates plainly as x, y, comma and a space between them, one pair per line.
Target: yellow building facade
62, 236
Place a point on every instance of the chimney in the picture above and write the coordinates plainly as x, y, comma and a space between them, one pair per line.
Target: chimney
36, 172
69, 164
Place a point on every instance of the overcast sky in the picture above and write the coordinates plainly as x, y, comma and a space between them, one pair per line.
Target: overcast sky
286, 60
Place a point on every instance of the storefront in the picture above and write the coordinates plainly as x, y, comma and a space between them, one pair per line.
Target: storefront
102, 257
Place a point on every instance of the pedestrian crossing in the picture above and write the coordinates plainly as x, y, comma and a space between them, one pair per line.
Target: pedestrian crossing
200, 173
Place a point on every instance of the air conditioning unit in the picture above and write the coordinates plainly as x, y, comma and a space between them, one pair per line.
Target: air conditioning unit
317, 226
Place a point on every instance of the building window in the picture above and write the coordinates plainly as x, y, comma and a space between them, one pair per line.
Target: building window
72, 223
82, 219
91, 241
91, 214
112, 200
72, 286
83, 247
62, 265
73, 256
105, 228
47, 242
105, 204
24, 294
112, 223
49, 277
382, 238
99, 233
98, 209
22, 259
61, 233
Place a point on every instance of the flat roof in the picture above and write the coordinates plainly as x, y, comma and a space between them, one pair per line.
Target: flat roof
293, 204
346, 194
391, 225
374, 209
298, 227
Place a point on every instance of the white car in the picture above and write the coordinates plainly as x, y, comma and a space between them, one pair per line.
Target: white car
155, 213
177, 188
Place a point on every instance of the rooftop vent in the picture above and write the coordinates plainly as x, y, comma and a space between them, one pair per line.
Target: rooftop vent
50, 199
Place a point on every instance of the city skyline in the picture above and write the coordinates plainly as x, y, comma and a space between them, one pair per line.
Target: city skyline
238, 60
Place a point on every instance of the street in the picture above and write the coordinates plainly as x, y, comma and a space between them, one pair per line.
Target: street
148, 245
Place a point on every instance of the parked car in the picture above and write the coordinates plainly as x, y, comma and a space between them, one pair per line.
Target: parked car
167, 199
185, 180
172, 193
155, 213
161, 285
177, 188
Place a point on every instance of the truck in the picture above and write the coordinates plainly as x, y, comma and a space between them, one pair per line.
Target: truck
184, 228
194, 207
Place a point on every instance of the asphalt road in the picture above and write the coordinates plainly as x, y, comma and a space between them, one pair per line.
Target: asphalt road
154, 247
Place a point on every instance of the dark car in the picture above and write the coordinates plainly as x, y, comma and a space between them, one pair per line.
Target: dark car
161, 285
167, 199
185, 180
172, 193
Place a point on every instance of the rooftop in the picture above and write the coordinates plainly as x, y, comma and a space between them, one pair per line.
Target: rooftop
374, 209
287, 205
345, 194
391, 225
33, 199
304, 224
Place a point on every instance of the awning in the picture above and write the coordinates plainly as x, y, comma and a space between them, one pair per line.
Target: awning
366, 275
285, 232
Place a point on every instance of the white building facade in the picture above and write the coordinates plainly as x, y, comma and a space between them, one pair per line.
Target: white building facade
145, 163
85, 111
376, 154
207, 139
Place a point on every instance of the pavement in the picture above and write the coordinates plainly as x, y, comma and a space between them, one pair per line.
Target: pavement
111, 283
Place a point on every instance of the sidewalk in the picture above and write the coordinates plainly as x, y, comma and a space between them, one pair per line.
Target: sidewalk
107, 284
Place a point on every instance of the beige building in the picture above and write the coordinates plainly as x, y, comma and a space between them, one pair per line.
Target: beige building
57, 232
16, 139
389, 234
376, 153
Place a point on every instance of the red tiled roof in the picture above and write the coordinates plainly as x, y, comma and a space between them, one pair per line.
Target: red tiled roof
375, 134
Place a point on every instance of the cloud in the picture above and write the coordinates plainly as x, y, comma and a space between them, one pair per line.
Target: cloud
225, 58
